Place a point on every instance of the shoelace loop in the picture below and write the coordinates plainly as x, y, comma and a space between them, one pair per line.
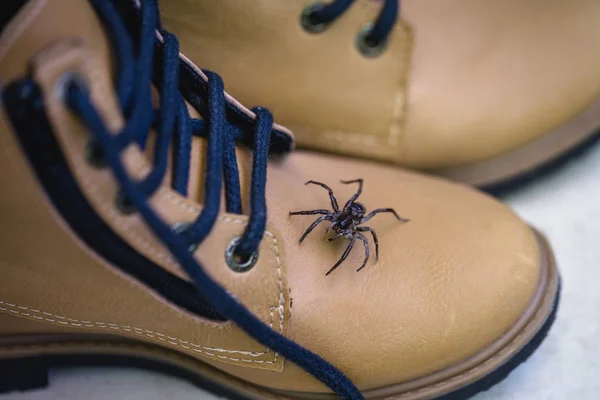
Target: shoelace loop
174, 130
371, 40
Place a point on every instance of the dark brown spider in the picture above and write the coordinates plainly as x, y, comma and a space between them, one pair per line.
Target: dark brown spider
346, 222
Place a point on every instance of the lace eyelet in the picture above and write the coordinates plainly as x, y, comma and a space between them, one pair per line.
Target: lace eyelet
307, 21
181, 227
29, 91
235, 262
367, 49
124, 205
94, 155
67, 79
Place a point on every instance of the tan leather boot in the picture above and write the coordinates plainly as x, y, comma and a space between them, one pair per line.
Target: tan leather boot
114, 248
478, 91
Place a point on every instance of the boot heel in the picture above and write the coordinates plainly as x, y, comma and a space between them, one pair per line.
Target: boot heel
22, 374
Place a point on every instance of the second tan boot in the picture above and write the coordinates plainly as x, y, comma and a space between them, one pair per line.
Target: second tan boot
481, 91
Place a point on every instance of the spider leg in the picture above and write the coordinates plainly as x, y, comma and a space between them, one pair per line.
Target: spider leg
366, 242
311, 212
334, 203
314, 225
368, 229
330, 227
383, 210
341, 260
358, 192
339, 235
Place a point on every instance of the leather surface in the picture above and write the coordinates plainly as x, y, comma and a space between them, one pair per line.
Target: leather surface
447, 284
266, 58
460, 82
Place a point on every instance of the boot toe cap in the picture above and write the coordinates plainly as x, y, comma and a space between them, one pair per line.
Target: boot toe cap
447, 284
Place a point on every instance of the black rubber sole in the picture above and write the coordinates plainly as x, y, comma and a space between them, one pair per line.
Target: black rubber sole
542, 170
32, 373
23, 374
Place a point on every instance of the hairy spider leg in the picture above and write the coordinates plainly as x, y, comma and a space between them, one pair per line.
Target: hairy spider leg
334, 203
311, 212
341, 260
330, 227
366, 242
339, 235
383, 210
368, 229
358, 192
314, 225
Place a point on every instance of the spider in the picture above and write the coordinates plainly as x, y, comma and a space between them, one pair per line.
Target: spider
346, 222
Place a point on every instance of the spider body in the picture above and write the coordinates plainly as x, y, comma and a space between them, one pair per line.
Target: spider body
351, 217
347, 222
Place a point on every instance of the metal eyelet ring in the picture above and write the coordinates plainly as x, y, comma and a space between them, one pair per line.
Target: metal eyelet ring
124, 205
94, 155
369, 49
181, 227
67, 79
93, 152
308, 22
234, 261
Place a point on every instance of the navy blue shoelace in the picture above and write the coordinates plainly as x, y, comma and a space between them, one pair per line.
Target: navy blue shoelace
174, 129
381, 29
